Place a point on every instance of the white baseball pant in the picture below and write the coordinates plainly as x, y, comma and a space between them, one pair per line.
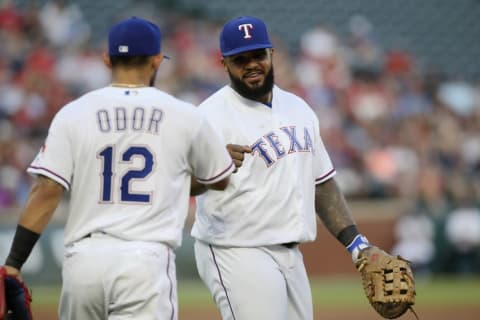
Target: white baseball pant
268, 283
109, 278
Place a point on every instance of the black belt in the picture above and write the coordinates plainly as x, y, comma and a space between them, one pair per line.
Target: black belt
91, 233
290, 245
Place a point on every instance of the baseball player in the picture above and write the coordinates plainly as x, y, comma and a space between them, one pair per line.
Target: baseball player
248, 236
125, 153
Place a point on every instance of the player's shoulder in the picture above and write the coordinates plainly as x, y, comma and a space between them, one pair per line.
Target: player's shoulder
217, 99
289, 97
85, 98
293, 103
187, 115
169, 98
187, 112
74, 107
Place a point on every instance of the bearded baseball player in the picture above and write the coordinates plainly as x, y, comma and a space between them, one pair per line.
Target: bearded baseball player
248, 236
125, 153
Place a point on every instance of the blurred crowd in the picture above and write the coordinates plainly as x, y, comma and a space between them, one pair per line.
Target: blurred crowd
394, 128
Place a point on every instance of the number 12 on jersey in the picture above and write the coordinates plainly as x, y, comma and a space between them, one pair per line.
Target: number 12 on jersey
107, 174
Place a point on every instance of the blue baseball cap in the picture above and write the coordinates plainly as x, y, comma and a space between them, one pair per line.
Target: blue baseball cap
134, 37
243, 34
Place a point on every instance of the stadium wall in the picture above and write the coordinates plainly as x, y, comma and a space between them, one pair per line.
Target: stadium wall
322, 257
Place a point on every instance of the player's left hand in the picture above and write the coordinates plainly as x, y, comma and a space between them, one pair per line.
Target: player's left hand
237, 152
15, 297
387, 281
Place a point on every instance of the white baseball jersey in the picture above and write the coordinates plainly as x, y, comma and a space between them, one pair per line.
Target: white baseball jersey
270, 200
127, 156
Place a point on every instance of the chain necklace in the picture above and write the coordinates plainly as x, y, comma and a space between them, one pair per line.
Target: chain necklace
127, 85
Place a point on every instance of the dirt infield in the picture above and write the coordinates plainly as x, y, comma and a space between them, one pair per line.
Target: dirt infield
437, 313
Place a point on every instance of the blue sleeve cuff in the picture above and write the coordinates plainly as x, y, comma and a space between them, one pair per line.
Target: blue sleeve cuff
358, 243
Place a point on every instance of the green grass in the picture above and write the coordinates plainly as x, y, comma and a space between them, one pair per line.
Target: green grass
449, 292
45, 296
445, 291
327, 292
194, 294
191, 293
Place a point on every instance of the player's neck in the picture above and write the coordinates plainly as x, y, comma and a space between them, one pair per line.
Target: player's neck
129, 82
266, 99
129, 79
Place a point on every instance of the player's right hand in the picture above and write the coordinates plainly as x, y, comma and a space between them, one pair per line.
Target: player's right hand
14, 272
237, 152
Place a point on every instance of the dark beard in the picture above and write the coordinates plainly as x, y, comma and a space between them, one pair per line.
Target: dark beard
255, 93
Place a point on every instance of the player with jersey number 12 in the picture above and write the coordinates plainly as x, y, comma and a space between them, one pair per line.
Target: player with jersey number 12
125, 153
247, 237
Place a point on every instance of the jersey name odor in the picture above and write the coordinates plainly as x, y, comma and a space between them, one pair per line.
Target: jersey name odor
137, 119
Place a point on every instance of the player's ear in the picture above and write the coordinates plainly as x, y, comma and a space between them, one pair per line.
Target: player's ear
224, 65
106, 60
156, 60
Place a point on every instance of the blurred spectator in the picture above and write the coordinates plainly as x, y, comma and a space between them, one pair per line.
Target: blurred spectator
10, 17
430, 192
414, 236
81, 71
321, 68
398, 63
470, 146
459, 97
63, 23
418, 231
462, 228
363, 51
368, 99
463, 232
409, 98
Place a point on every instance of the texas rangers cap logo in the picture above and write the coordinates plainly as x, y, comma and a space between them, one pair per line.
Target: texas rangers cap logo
246, 27
243, 34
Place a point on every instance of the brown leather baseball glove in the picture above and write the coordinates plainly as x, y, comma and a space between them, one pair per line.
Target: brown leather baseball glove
387, 281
